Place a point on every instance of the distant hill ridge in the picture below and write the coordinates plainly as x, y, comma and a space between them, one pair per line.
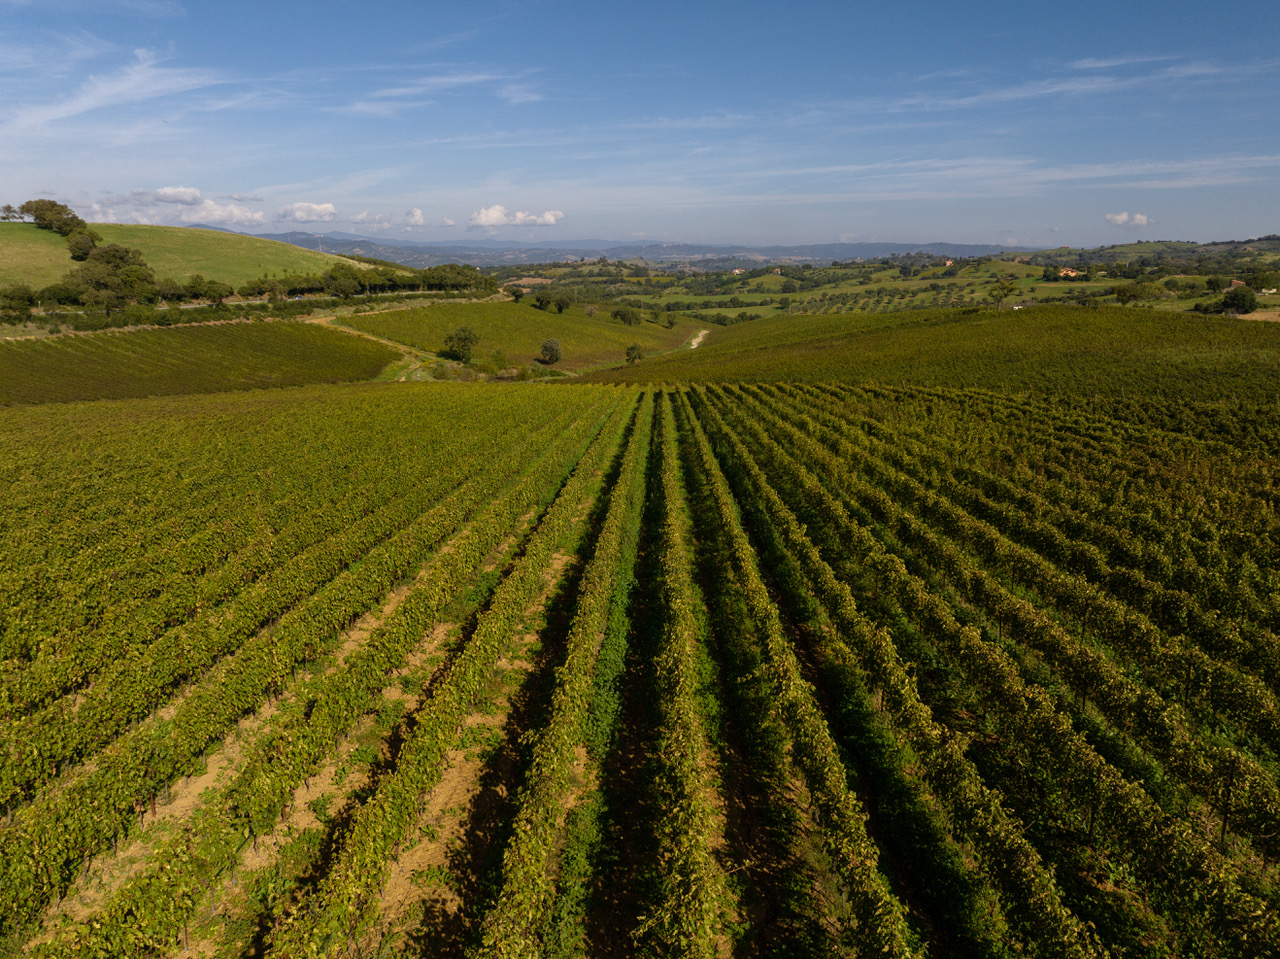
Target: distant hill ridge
421, 254
490, 253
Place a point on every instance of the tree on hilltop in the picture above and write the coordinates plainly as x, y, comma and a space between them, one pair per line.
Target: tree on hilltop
52, 215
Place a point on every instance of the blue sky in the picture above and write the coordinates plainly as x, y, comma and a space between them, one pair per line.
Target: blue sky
984, 122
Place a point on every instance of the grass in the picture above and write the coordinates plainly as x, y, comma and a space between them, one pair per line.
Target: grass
1110, 351
209, 358
518, 330
39, 257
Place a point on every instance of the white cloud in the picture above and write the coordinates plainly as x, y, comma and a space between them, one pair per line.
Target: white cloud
1130, 221
185, 195
414, 217
497, 215
157, 206
307, 213
376, 219
447, 222
227, 214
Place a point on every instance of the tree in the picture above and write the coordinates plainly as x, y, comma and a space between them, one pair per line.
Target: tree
215, 291
113, 269
635, 353
81, 244
1239, 300
1001, 291
629, 315
562, 302
551, 352
591, 309
9, 212
51, 215
515, 292
542, 299
460, 344
16, 301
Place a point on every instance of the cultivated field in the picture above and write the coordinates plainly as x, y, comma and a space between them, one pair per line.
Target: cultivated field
518, 330
1108, 351
209, 358
803, 670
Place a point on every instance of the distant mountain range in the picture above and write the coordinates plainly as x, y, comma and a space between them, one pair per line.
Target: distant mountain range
496, 253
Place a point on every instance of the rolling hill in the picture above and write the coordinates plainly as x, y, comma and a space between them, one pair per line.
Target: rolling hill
519, 330
208, 358
38, 257
872, 664
1109, 350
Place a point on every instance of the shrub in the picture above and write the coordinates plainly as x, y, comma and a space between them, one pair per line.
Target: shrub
460, 344
551, 352
1240, 300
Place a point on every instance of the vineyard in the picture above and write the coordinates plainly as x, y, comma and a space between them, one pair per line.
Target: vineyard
207, 358
596, 670
1108, 351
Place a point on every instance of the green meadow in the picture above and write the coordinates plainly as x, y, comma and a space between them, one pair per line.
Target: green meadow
518, 331
39, 257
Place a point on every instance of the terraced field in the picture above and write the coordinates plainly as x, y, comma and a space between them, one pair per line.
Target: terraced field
789, 670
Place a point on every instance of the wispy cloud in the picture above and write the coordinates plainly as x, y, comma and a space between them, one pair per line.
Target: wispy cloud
50, 54
1087, 78
147, 78
423, 90
139, 8
1110, 63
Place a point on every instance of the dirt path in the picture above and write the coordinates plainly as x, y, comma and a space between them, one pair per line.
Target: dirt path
697, 340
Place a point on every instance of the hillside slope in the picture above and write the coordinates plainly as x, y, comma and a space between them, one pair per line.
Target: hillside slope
519, 330
211, 358
1111, 350
38, 257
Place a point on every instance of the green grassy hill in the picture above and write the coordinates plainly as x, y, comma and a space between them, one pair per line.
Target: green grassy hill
39, 257
519, 330
211, 358
1109, 351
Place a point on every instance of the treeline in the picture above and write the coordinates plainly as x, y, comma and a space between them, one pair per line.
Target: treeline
345, 279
